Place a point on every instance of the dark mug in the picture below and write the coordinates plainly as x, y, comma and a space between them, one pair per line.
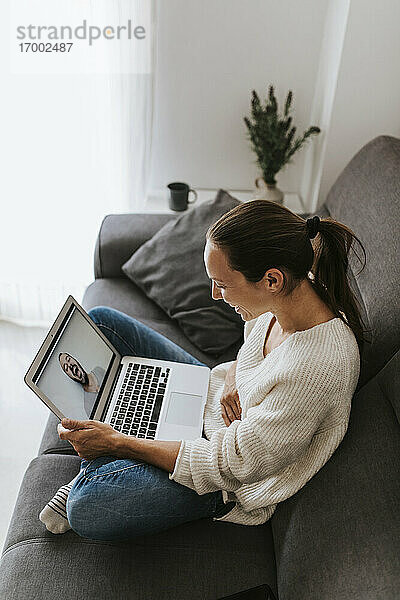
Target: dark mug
179, 195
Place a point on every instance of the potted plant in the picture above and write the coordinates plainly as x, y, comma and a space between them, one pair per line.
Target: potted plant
272, 139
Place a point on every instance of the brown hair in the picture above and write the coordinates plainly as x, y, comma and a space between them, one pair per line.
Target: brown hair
258, 235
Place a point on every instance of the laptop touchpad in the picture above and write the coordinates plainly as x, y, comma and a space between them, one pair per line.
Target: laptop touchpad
184, 409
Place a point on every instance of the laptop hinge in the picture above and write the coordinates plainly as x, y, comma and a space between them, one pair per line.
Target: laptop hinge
110, 395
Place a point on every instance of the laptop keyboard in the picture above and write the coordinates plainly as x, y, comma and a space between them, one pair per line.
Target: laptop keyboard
138, 406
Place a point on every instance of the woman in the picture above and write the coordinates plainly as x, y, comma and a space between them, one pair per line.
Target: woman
273, 417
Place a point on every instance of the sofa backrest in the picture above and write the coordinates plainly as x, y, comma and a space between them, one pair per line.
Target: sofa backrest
366, 198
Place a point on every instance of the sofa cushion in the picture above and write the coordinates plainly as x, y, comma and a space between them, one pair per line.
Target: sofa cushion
338, 537
122, 234
170, 269
195, 556
366, 198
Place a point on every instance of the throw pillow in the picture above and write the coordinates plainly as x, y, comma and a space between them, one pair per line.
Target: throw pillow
170, 270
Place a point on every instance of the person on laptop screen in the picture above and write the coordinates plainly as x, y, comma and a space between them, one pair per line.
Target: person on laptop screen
90, 381
273, 417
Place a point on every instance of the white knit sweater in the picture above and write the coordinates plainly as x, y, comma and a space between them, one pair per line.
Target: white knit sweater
295, 412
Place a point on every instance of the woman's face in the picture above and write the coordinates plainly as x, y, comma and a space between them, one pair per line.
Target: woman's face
248, 299
72, 368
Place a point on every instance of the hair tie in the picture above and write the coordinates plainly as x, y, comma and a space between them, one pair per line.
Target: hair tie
313, 226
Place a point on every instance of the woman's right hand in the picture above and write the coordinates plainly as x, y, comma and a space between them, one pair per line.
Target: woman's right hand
230, 404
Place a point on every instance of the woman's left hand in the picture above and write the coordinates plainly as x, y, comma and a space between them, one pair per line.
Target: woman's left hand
90, 438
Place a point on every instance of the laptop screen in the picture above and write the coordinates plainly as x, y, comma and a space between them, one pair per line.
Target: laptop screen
75, 367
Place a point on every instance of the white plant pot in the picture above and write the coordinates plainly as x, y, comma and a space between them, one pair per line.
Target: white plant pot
266, 191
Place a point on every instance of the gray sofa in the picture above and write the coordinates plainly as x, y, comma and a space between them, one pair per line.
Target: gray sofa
337, 538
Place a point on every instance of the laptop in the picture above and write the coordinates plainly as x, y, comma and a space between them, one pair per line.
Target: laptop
79, 374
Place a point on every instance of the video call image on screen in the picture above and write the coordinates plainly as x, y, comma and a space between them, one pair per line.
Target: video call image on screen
74, 372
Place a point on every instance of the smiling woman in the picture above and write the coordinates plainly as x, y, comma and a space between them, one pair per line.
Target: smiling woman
72, 367
277, 269
283, 423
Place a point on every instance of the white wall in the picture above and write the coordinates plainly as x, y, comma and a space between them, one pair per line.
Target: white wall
367, 101
340, 58
211, 54
324, 97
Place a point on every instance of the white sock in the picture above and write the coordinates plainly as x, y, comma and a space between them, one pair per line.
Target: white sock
54, 514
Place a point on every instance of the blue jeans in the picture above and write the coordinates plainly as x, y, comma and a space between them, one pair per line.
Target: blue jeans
120, 499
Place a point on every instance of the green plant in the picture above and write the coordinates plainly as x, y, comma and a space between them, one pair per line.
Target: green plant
272, 136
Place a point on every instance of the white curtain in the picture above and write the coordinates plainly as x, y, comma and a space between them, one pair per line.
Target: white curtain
74, 148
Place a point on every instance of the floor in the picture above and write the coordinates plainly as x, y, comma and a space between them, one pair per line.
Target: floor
22, 414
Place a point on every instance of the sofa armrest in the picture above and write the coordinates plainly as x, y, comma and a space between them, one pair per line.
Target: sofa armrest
120, 236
